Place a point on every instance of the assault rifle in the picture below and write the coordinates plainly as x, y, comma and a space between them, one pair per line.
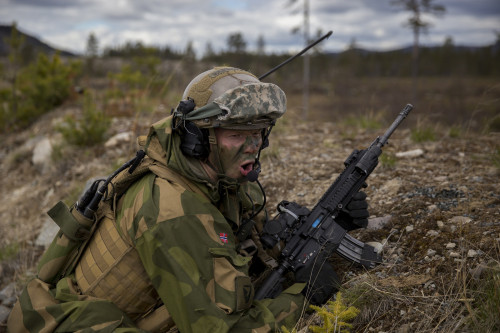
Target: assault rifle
307, 233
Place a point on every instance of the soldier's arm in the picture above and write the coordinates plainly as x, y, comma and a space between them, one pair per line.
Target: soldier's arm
188, 251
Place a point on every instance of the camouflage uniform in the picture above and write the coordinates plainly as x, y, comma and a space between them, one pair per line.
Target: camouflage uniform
166, 251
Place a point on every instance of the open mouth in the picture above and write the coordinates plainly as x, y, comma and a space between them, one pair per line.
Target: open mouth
245, 168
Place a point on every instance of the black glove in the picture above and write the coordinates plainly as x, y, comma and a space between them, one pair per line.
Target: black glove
322, 281
355, 214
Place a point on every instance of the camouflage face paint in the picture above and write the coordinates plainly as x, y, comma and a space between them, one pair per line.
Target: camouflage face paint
237, 151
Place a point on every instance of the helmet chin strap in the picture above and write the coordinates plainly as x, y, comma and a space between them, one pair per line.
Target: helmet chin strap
212, 139
253, 175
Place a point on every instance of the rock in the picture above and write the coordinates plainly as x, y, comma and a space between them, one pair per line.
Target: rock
119, 138
42, 153
460, 220
451, 245
377, 223
432, 208
8, 292
411, 153
376, 245
431, 252
409, 228
391, 188
47, 233
454, 254
432, 233
4, 313
478, 271
472, 253
440, 225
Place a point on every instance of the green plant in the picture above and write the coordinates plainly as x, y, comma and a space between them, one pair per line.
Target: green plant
455, 132
369, 121
493, 125
420, 134
335, 316
486, 294
88, 130
36, 89
388, 160
496, 158
9, 251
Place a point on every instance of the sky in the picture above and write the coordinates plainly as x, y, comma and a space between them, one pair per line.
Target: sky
371, 24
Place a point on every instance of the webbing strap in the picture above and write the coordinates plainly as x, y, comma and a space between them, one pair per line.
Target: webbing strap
62, 216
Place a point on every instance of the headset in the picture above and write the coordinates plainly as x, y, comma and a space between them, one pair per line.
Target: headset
194, 140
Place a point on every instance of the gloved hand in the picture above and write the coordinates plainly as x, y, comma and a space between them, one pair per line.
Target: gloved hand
322, 281
355, 214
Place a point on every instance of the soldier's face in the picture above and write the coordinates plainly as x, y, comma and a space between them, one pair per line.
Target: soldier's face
237, 151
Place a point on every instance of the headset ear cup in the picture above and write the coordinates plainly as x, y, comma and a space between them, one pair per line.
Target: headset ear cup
194, 141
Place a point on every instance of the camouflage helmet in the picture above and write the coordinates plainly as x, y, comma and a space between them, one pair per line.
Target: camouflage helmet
232, 98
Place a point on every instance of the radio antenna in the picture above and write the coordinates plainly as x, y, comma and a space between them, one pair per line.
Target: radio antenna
295, 56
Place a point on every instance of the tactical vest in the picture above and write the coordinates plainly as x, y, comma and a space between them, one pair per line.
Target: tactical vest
106, 265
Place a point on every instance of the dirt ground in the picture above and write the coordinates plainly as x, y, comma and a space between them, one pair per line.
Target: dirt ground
439, 203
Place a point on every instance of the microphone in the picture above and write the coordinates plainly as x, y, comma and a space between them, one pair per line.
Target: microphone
254, 174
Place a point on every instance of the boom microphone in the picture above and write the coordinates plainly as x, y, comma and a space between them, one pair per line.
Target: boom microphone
254, 173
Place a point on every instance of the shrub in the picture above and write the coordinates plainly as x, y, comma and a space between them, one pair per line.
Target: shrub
388, 160
423, 134
335, 316
36, 90
90, 128
493, 124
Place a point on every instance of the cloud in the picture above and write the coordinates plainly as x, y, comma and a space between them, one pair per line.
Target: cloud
373, 24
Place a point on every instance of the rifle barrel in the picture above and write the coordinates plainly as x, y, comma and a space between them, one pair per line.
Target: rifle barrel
402, 115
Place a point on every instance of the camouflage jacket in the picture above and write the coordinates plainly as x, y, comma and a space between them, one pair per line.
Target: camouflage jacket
183, 236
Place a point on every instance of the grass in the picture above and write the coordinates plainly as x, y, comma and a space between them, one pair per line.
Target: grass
495, 158
423, 134
388, 160
90, 128
485, 307
9, 251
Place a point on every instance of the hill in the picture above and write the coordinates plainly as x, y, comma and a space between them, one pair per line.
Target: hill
435, 206
32, 44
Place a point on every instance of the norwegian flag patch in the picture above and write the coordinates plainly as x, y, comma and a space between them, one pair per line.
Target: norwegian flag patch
223, 237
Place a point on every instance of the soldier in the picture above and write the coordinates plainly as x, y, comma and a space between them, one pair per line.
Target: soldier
180, 247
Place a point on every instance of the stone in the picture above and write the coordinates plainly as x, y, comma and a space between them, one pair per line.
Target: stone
119, 138
47, 233
8, 292
472, 253
454, 254
451, 246
42, 153
376, 245
460, 220
409, 228
432, 208
411, 153
431, 252
432, 233
4, 313
377, 223
440, 225
391, 187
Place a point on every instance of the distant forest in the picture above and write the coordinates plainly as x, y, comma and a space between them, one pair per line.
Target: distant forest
445, 60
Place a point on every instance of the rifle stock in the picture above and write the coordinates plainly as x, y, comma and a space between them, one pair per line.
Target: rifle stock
307, 233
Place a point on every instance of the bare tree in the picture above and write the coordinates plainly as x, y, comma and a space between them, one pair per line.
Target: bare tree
418, 25
261, 45
307, 61
91, 51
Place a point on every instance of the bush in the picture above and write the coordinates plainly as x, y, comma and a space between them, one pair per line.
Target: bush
36, 90
88, 130
423, 134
